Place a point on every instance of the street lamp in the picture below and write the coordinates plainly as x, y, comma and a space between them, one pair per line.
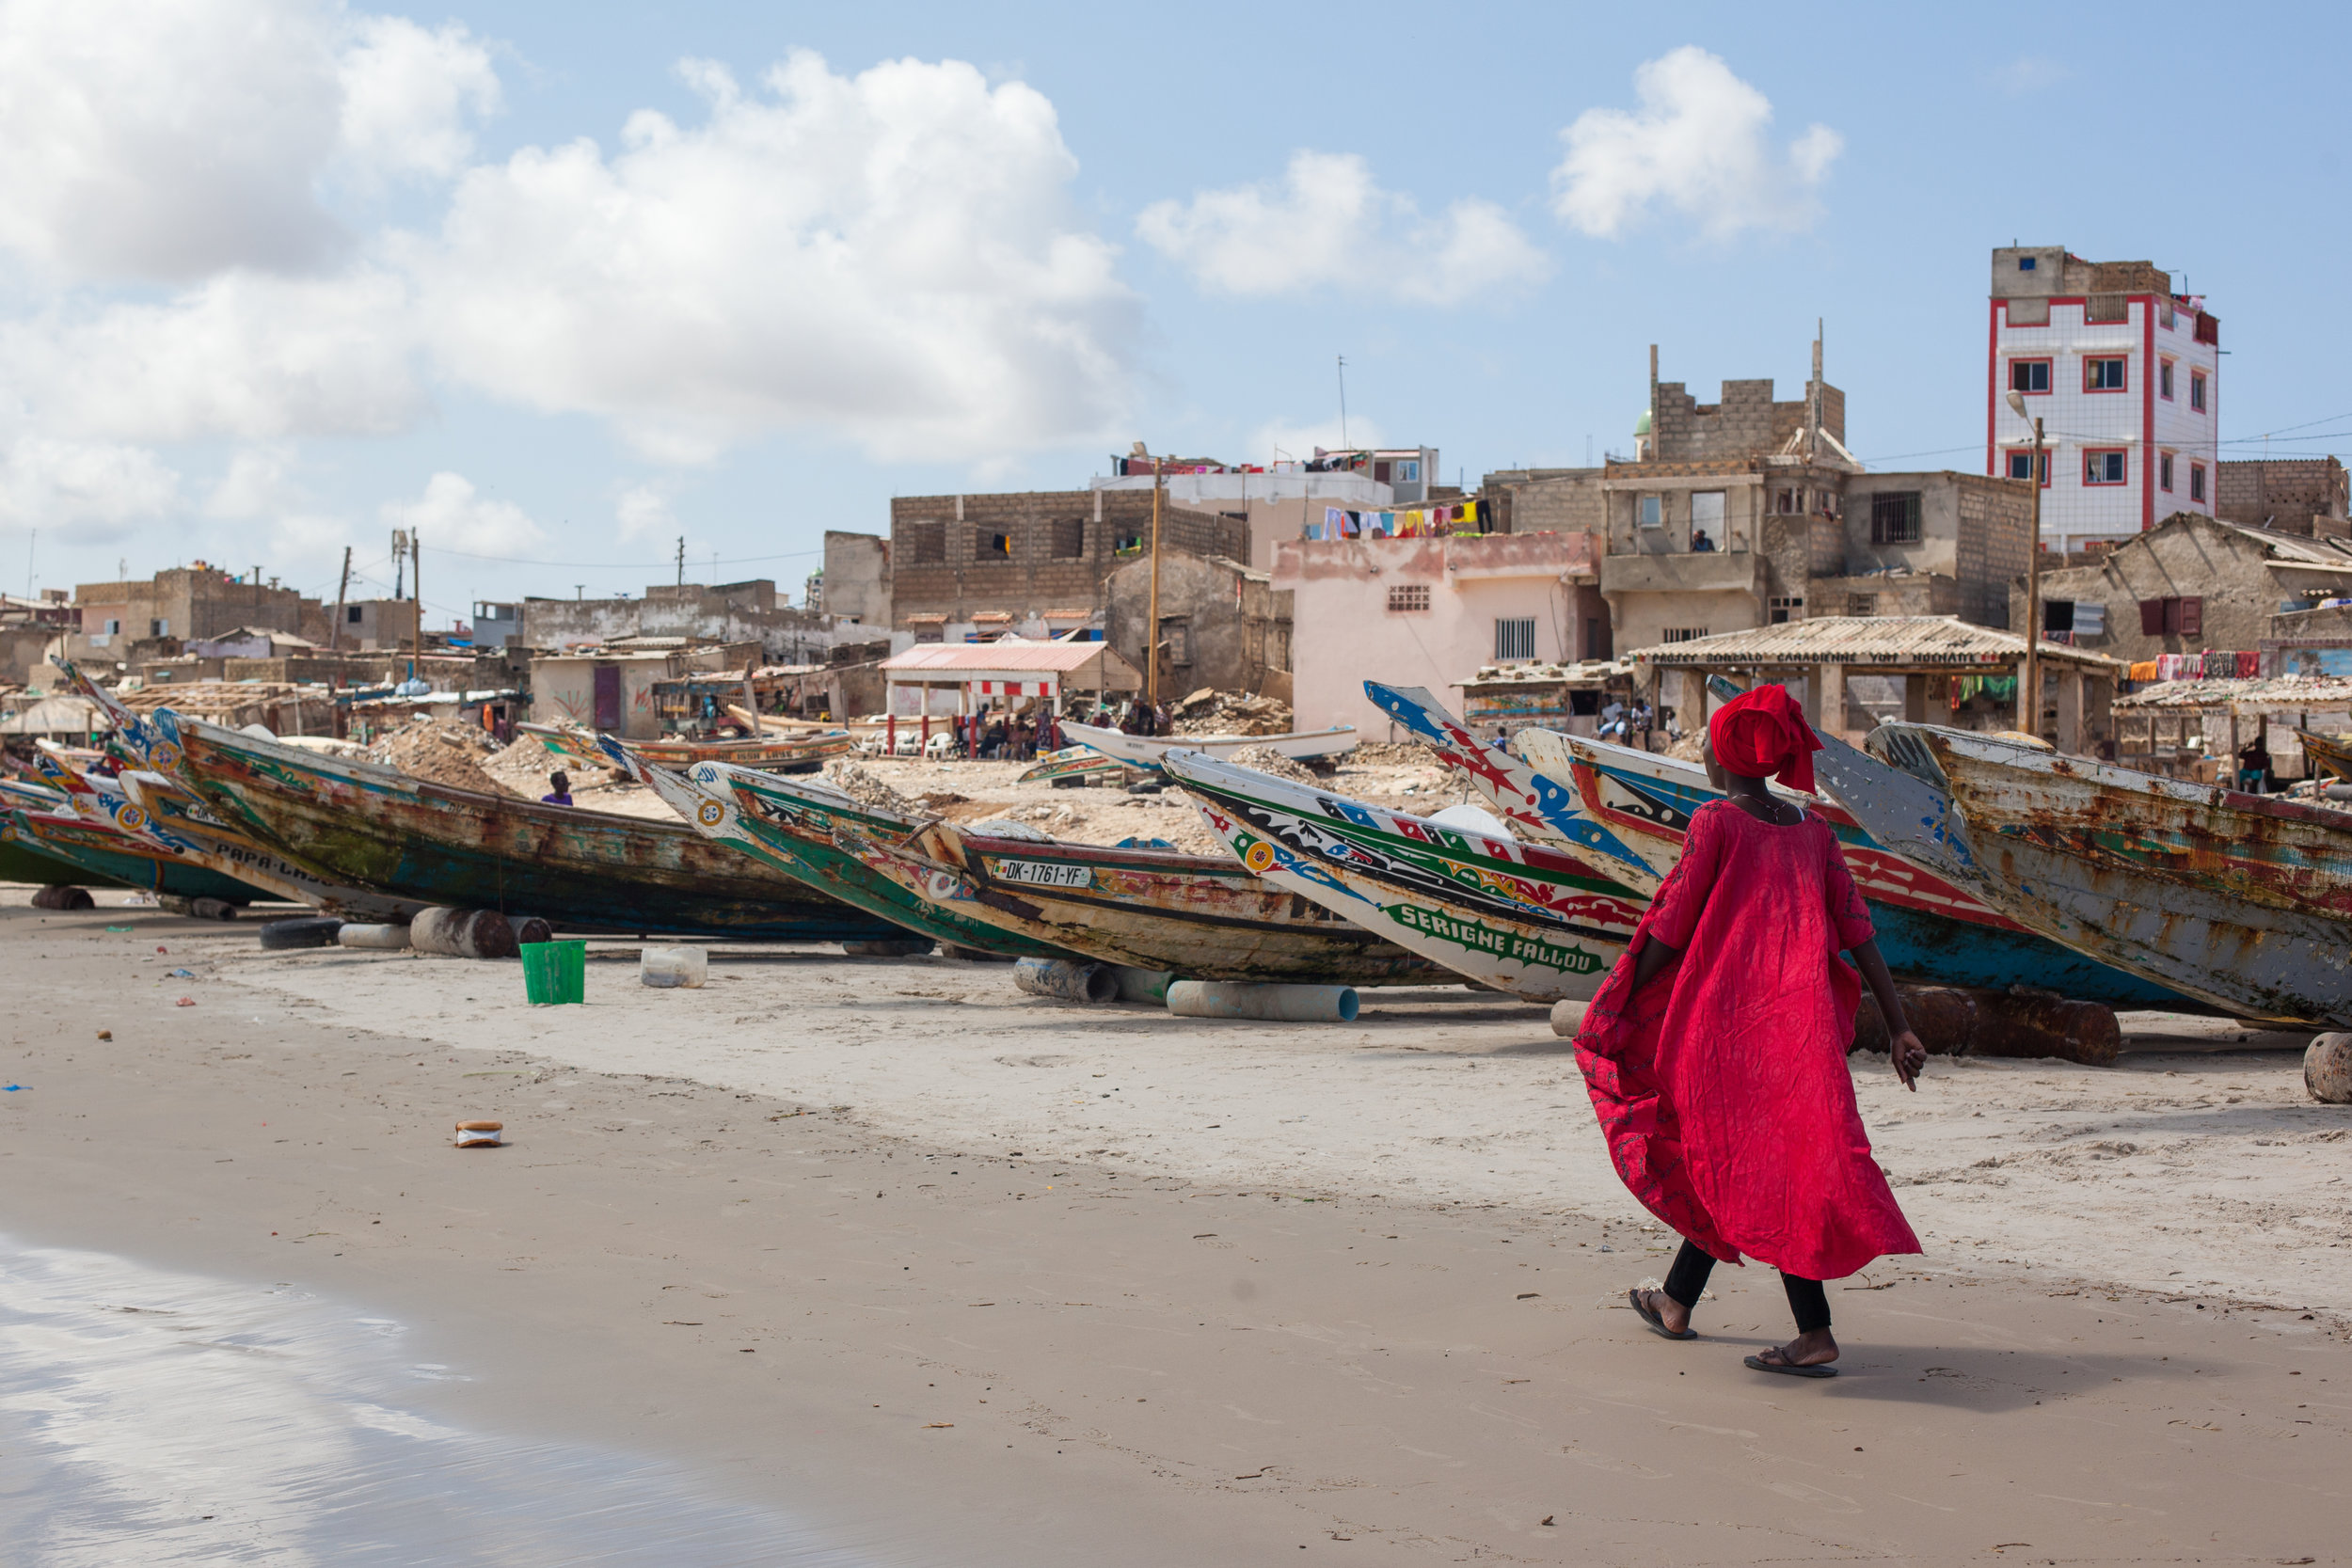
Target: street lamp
2029, 680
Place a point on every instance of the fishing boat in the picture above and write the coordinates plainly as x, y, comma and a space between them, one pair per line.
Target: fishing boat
784, 754
1073, 762
1627, 811
2332, 753
372, 827
1146, 751
20, 863
2242, 901
793, 825
1198, 917
1518, 917
99, 852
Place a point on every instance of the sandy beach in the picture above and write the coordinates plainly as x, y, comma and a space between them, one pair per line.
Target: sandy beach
945, 1274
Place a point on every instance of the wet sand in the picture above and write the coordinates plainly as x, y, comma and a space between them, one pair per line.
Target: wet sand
872, 1245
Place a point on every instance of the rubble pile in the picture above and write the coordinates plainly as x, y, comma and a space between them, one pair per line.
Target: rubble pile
1391, 754
862, 785
1266, 759
1209, 711
442, 754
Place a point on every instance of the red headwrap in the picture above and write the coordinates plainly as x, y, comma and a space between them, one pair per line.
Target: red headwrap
1762, 734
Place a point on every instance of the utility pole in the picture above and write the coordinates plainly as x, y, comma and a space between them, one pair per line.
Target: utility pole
335, 627
2030, 683
1151, 670
1344, 446
400, 562
681, 560
416, 585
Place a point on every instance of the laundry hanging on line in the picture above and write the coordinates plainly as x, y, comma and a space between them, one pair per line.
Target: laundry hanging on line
1410, 523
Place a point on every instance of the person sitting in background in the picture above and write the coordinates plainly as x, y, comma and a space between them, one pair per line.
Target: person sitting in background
563, 790
1700, 543
2253, 766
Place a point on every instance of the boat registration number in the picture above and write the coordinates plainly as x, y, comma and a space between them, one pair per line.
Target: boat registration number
1042, 873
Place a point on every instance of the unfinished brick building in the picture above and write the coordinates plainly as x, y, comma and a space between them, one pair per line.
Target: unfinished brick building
1030, 562
2294, 495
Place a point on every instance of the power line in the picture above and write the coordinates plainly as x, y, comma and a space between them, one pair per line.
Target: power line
623, 566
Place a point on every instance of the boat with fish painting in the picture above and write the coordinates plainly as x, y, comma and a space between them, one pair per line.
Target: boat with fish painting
2243, 901
1627, 811
1517, 917
1198, 917
99, 852
793, 825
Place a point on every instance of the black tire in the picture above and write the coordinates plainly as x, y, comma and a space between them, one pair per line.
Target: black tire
280, 936
1149, 787
64, 896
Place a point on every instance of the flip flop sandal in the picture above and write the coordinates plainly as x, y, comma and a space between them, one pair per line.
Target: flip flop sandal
1656, 1323
1787, 1369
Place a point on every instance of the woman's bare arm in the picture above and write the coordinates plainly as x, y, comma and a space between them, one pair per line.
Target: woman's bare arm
1909, 1055
1655, 957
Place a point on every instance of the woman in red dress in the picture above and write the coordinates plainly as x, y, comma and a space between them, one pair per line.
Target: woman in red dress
1715, 1052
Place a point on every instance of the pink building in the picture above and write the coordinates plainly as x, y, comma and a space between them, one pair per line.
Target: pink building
1430, 612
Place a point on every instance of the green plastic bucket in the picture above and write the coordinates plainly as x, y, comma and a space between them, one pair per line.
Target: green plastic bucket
555, 972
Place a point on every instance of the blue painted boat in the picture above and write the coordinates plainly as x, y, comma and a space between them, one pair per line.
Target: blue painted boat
1627, 811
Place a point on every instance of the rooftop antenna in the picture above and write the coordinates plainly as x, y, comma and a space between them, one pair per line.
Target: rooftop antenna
681, 560
1344, 443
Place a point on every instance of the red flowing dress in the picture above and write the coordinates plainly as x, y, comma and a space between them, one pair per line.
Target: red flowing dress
1721, 1086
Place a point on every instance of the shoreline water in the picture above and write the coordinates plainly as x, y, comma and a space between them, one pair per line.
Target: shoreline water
1089, 1358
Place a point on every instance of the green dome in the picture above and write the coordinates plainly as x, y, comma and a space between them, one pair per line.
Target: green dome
1641, 427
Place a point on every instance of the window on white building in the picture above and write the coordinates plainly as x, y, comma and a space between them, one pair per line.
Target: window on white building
2103, 468
1515, 638
2029, 375
2020, 465
2196, 481
2105, 374
2164, 471
1408, 472
2164, 379
2197, 390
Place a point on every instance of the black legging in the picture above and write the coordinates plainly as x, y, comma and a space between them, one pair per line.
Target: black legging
1687, 1281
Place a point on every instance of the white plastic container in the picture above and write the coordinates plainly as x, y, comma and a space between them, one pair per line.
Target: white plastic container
673, 966
353, 935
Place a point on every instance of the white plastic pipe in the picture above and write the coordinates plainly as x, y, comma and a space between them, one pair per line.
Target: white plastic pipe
1276, 1004
673, 966
354, 935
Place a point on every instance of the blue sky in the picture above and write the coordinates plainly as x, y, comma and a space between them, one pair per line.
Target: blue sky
557, 284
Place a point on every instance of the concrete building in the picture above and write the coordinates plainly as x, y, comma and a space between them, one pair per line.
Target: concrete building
611, 690
1222, 625
1034, 563
1429, 612
2125, 374
371, 626
2189, 585
1274, 504
1750, 512
746, 611
2295, 495
854, 585
185, 602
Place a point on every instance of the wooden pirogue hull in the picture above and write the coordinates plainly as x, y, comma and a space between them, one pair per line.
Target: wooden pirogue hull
107, 855
1073, 762
176, 811
582, 870
2238, 900
20, 863
2331, 751
791, 826
1196, 917
1518, 917
1144, 751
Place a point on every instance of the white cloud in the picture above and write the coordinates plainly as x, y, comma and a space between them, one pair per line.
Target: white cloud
243, 355
643, 514
408, 94
1698, 144
454, 516
2030, 74
889, 256
166, 140
1329, 224
100, 490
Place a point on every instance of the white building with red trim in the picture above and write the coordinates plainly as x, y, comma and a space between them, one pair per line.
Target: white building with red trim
2125, 374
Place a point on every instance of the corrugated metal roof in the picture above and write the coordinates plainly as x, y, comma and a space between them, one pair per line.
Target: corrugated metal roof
1863, 641
1010, 657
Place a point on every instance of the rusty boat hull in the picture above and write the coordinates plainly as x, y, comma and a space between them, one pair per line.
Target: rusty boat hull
1196, 917
2241, 901
378, 829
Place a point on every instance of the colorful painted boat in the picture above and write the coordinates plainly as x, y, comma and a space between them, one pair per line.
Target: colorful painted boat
20, 863
2243, 901
1522, 918
102, 853
1073, 762
1198, 917
1626, 811
792, 825
2332, 753
372, 827
1146, 751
